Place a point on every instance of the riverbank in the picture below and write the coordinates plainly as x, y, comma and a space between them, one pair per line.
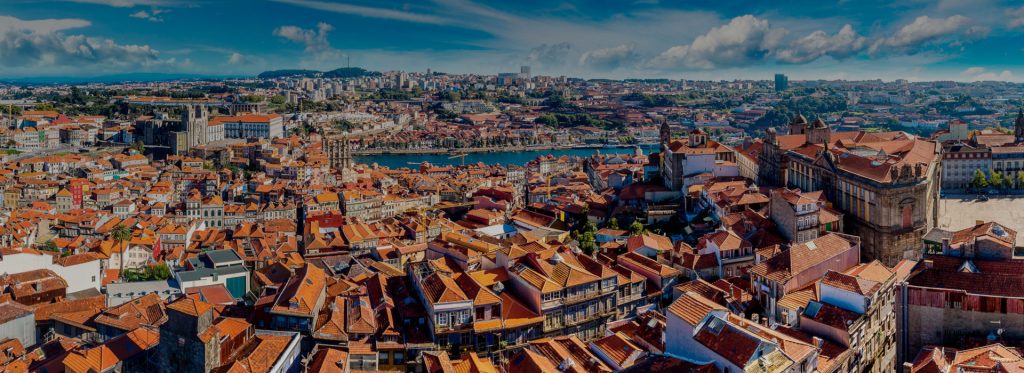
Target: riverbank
519, 148
501, 157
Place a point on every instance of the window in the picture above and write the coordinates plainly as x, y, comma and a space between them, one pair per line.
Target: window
382, 358
442, 319
399, 357
908, 216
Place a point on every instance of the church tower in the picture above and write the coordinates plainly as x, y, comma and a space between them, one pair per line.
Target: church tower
698, 138
339, 153
818, 132
195, 119
1018, 126
665, 136
798, 126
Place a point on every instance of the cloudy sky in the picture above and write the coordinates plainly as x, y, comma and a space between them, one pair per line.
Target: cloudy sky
963, 40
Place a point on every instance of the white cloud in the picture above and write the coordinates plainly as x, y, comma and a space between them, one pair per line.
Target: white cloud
238, 59
981, 74
923, 30
152, 16
743, 40
610, 58
40, 43
369, 12
549, 55
1016, 17
131, 3
314, 40
974, 70
843, 44
319, 49
8, 23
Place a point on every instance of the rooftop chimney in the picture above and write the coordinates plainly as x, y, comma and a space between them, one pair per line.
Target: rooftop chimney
908, 367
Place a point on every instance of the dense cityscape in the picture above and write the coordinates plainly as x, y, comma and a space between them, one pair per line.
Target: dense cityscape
346, 219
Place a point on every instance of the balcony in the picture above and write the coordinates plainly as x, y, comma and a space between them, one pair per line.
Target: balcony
589, 318
553, 326
453, 328
629, 298
582, 297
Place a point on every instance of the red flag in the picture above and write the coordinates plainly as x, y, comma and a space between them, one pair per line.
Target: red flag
157, 249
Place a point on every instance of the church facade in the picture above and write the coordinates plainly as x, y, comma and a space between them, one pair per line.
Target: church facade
885, 183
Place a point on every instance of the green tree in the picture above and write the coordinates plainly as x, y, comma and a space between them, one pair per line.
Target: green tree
50, 246
121, 234
139, 146
613, 223
43, 106
150, 273
979, 181
637, 228
588, 243
277, 100
158, 272
996, 180
1020, 179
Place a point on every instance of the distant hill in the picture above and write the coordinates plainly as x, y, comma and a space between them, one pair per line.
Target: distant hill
288, 72
115, 78
344, 72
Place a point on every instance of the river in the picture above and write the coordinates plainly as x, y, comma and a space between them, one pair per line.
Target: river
503, 158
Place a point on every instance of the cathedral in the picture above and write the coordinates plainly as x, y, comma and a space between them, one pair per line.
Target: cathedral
194, 120
339, 156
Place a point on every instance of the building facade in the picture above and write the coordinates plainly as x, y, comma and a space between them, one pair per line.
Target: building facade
885, 183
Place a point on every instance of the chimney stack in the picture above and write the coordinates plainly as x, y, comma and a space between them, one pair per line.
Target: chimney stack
908, 367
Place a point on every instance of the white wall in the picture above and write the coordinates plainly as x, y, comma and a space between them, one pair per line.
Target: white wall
208, 280
843, 299
679, 342
79, 277
700, 163
22, 328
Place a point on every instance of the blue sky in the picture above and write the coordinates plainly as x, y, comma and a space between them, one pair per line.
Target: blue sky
963, 40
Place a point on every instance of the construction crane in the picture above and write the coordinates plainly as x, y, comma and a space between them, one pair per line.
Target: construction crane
462, 156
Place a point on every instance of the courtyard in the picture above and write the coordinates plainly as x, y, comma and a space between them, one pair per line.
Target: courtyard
959, 212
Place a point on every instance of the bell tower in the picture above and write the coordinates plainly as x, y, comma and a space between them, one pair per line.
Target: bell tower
798, 126
665, 135
339, 153
1018, 126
